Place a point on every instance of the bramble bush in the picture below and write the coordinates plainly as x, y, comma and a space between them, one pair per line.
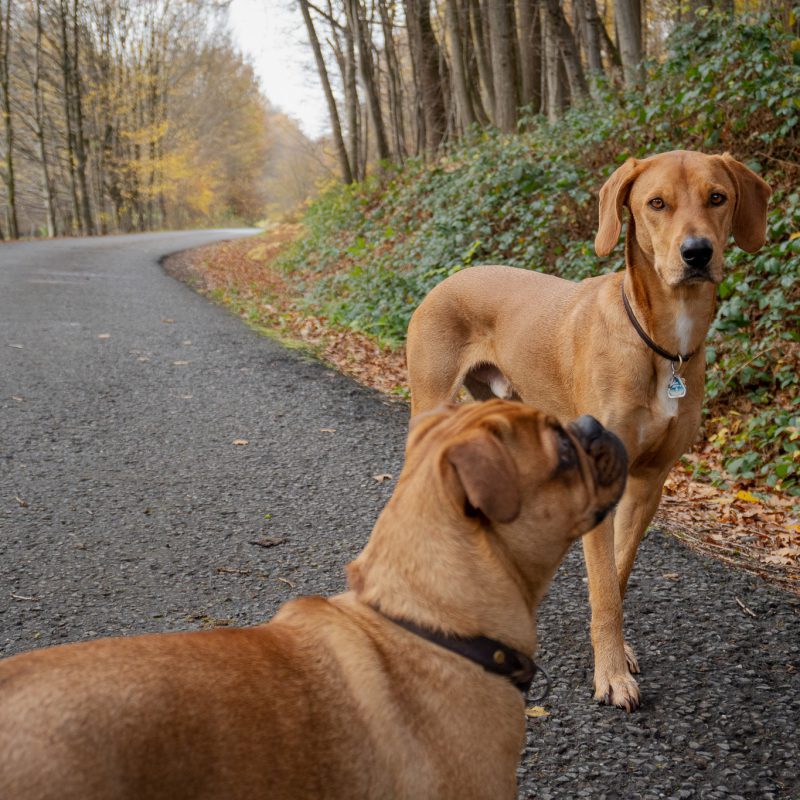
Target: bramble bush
373, 250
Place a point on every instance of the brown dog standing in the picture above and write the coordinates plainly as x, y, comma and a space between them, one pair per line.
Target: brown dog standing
337, 698
572, 348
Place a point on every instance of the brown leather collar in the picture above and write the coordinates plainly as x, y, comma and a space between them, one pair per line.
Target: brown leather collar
675, 357
490, 654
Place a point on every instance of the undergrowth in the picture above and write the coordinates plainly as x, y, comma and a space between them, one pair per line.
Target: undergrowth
371, 251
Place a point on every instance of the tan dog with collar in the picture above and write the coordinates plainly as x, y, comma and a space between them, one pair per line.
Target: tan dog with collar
336, 698
571, 348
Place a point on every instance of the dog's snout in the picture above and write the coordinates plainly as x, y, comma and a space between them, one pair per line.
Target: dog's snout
696, 252
587, 429
603, 447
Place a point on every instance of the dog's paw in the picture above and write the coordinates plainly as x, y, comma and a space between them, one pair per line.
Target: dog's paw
619, 690
630, 657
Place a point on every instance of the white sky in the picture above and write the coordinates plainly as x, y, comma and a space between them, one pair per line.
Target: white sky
273, 35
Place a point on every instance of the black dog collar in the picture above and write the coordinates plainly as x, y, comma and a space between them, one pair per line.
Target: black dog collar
490, 654
674, 357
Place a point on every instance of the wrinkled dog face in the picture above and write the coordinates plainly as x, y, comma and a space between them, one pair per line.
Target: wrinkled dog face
536, 483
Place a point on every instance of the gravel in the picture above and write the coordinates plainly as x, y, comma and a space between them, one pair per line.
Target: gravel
127, 507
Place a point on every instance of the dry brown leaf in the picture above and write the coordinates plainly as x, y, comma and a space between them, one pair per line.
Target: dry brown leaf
536, 712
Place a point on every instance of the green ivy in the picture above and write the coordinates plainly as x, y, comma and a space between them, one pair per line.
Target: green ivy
529, 200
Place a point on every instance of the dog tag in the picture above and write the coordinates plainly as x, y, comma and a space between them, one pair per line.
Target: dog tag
676, 388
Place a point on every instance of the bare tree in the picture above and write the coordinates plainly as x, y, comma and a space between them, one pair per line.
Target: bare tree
9, 176
333, 112
504, 64
628, 14
358, 25
425, 56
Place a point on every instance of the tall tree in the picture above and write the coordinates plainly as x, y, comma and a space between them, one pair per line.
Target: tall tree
628, 14
344, 162
530, 57
457, 43
8, 127
427, 62
357, 23
502, 33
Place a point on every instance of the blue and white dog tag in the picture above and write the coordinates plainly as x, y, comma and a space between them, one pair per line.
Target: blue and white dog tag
676, 388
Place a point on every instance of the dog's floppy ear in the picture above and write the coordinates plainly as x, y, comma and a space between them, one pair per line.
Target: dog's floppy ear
750, 211
488, 475
613, 197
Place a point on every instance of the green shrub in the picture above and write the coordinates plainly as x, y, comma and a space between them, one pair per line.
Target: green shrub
529, 200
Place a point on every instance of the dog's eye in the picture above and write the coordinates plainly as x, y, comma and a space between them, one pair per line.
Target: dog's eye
657, 203
717, 198
567, 457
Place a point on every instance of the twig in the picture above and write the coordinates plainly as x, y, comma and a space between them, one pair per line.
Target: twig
21, 597
745, 608
287, 582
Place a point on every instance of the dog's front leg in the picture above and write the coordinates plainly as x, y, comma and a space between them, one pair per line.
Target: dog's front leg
613, 682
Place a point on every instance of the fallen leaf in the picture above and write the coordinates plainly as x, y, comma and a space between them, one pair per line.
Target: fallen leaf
23, 503
381, 478
240, 441
327, 430
747, 497
536, 712
268, 541
168, 321
671, 576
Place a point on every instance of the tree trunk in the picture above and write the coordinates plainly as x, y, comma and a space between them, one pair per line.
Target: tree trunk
568, 50
394, 80
352, 106
5, 105
425, 58
39, 117
530, 56
80, 139
556, 94
482, 52
457, 45
344, 163
367, 69
504, 67
591, 27
629, 30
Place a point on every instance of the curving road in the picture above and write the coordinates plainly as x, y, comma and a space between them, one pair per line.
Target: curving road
126, 506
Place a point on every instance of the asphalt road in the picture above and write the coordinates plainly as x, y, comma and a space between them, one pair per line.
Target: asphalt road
126, 506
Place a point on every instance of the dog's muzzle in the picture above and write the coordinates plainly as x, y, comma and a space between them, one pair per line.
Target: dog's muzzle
603, 447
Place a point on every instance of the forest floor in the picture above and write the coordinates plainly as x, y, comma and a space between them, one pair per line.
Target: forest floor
747, 525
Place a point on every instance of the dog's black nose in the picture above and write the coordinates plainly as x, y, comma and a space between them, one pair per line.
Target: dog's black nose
696, 252
587, 429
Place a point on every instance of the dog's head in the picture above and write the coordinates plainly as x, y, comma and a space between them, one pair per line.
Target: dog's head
507, 462
504, 474
684, 206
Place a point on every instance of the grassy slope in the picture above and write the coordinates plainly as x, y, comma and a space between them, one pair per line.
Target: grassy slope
372, 251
